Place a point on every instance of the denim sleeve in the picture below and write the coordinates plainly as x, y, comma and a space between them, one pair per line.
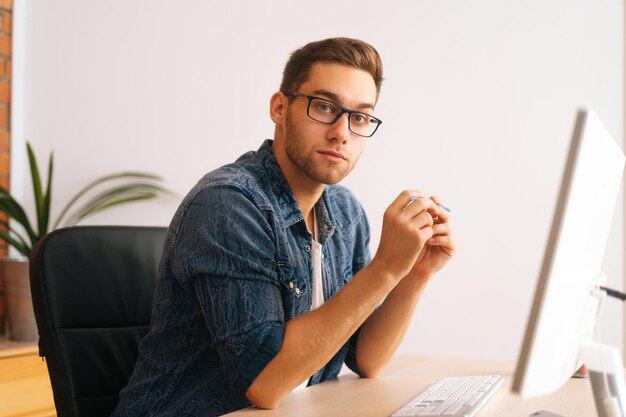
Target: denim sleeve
361, 258
350, 359
226, 252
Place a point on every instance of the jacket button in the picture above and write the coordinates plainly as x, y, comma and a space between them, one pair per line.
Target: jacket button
291, 285
297, 291
307, 248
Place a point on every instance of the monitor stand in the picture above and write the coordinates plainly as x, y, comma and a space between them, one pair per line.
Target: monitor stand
606, 372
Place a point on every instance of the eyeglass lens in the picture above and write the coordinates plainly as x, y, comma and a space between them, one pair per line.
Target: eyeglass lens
326, 112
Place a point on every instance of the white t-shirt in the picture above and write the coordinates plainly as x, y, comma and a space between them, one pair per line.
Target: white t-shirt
317, 292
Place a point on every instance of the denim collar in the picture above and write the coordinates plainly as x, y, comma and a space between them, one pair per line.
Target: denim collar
287, 204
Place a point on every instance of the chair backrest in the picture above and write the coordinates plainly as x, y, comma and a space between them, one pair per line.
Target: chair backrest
92, 290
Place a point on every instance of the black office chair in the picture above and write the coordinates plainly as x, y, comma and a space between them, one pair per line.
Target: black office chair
92, 290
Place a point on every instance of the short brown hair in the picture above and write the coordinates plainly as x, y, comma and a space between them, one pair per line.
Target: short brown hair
352, 52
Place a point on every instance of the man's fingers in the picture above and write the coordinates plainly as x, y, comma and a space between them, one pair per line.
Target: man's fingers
440, 205
410, 203
442, 240
441, 229
440, 215
403, 200
423, 219
419, 204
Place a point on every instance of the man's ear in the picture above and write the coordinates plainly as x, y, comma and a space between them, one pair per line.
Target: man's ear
278, 108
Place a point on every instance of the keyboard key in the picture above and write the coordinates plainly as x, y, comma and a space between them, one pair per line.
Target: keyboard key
452, 397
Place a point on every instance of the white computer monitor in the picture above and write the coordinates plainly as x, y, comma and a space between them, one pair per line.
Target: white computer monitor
564, 310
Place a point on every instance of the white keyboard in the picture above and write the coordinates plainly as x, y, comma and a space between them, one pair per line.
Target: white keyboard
452, 397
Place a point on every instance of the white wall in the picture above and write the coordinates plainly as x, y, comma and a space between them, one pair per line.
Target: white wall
478, 106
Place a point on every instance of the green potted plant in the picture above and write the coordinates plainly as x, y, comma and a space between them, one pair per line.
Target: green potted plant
107, 192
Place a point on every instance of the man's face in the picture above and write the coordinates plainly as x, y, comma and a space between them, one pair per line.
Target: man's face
325, 153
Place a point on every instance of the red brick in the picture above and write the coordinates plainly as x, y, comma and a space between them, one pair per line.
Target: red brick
7, 22
4, 183
4, 250
5, 45
6, 4
8, 68
4, 116
5, 163
5, 92
5, 140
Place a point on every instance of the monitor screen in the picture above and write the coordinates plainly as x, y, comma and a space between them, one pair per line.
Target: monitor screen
564, 311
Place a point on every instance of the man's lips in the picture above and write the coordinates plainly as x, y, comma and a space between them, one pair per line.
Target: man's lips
333, 155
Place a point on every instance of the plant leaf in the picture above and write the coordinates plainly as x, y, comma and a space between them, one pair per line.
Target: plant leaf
95, 183
102, 199
47, 197
124, 200
111, 195
15, 211
39, 199
12, 230
115, 192
23, 249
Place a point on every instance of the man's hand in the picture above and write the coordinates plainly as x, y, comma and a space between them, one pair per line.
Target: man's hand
438, 249
407, 227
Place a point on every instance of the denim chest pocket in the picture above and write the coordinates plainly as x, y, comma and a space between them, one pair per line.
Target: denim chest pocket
350, 270
296, 294
347, 274
347, 229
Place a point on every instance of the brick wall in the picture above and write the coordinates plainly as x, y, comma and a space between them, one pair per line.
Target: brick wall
6, 18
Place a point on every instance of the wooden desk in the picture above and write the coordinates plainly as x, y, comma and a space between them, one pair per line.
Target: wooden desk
408, 375
25, 389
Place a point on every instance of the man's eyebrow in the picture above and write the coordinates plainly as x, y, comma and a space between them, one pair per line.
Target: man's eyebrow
334, 97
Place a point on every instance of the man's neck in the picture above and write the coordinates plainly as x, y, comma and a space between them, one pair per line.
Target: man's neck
305, 191
306, 201
306, 195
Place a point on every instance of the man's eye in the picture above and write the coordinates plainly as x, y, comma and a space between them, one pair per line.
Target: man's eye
359, 118
325, 108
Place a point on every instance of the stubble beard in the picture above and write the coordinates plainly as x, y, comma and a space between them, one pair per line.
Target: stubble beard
321, 172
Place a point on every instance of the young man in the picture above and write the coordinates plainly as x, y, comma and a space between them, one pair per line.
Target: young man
266, 281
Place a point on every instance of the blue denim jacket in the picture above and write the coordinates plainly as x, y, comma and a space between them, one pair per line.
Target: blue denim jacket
236, 267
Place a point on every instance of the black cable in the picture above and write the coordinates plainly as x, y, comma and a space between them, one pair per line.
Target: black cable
614, 293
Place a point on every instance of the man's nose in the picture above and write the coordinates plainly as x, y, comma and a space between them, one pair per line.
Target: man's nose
340, 130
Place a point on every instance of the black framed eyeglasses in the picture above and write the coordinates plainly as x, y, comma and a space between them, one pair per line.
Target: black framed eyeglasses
328, 112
